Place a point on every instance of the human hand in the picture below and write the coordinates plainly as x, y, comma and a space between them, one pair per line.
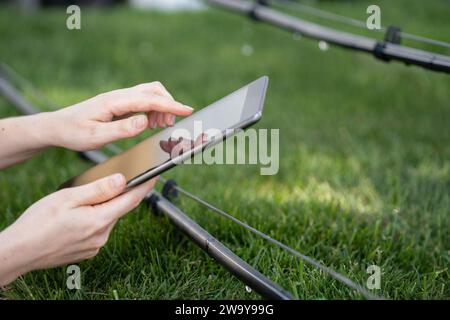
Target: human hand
90, 124
67, 226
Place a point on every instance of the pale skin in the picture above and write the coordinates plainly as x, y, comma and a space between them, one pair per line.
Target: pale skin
73, 224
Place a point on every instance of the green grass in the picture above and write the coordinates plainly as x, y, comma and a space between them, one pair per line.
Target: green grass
365, 153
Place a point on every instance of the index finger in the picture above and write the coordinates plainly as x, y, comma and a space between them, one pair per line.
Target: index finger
128, 102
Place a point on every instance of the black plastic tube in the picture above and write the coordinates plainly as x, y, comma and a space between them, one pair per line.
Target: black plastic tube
224, 256
382, 50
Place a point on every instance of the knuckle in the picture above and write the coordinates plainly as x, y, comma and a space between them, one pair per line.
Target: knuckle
145, 98
157, 84
134, 201
98, 225
64, 194
53, 210
92, 253
159, 89
103, 241
99, 242
61, 198
102, 189
92, 224
127, 128
141, 87
109, 97
102, 97
150, 87
129, 203
90, 132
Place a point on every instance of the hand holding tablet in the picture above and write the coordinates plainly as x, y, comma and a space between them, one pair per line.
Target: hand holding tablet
163, 151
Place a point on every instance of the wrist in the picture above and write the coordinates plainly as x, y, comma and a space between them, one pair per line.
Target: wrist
34, 132
14, 258
44, 130
23, 137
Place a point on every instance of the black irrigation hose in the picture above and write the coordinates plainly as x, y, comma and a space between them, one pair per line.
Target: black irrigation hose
308, 9
213, 247
341, 278
382, 50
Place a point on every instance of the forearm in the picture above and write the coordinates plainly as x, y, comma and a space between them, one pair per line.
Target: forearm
22, 137
13, 257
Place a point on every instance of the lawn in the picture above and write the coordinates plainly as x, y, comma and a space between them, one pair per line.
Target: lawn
364, 153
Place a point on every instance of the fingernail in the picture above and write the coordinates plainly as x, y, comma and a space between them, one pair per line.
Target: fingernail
117, 180
190, 108
140, 122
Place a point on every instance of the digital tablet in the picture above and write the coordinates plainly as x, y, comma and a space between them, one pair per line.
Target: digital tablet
176, 144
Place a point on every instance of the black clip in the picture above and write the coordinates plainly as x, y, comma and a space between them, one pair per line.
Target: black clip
378, 51
152, 202
169, 190
83, 156
252, 13
393, 35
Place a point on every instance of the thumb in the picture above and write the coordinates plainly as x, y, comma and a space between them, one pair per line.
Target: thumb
123, 128
98, 191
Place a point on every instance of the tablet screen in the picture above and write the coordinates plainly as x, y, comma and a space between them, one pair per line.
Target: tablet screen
186, 134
